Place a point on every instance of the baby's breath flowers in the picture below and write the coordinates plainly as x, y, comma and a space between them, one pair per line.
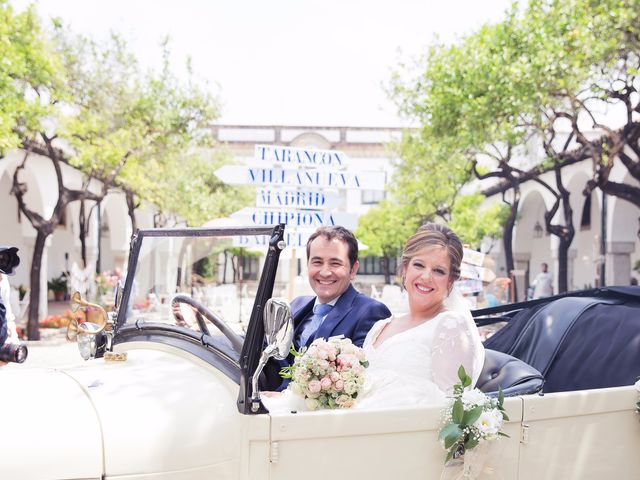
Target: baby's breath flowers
470, 418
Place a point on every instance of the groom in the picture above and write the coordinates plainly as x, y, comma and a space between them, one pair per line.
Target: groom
337, 308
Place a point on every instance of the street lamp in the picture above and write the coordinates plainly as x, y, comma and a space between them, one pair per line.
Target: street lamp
537, 230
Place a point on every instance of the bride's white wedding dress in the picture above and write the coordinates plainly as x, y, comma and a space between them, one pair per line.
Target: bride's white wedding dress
418, 366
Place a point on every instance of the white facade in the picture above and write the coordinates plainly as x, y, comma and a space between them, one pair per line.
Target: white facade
532, 247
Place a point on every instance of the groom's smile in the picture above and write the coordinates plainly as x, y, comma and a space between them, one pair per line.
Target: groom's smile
330, 272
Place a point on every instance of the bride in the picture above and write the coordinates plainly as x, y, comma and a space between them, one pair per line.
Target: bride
414, 358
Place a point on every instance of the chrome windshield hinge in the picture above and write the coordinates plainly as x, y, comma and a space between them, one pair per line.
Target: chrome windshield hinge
274, 454
524, 434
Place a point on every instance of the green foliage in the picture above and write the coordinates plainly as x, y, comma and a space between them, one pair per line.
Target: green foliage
142, 131
550, 67
27, 65
460, 431
58, 284
472, 223
384, 229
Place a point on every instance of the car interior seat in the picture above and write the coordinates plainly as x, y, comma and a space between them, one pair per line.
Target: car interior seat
514, 376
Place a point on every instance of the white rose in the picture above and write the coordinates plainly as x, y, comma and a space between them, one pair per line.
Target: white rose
489, 424
472, 398
638, 385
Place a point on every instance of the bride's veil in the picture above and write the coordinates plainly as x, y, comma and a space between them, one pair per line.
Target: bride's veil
456, 302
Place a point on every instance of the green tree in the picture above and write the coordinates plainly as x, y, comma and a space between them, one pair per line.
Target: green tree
384, 229
127, 129
473, 223
26, 66
550, 67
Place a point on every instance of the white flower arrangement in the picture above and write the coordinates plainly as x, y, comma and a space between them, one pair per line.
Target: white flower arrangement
328, 374
471, 417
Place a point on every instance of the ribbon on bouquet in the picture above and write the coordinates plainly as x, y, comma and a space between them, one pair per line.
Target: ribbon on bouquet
476, 463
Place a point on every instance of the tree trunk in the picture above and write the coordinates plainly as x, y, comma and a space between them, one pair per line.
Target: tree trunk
563, 265
131, 210
82, 224
507, 240
33, 327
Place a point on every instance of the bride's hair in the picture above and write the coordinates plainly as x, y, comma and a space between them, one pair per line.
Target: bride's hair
434, 235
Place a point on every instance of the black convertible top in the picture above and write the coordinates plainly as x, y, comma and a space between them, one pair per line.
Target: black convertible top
579, 340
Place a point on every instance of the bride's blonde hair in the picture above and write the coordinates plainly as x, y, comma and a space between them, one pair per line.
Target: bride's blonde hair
434, 235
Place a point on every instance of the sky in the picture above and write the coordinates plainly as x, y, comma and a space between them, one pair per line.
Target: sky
284, 62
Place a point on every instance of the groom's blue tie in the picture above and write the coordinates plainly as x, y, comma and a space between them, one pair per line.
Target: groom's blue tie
312, 325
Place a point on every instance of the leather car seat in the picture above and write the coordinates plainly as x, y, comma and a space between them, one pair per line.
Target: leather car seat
514, 376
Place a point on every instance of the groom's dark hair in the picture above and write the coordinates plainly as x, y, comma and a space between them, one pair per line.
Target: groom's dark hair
341, 234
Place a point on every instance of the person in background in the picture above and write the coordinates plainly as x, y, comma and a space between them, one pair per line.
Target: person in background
543, 283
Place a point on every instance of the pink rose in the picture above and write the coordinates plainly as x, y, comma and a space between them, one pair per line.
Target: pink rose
325, 383
339, 385
314, 386
335, 376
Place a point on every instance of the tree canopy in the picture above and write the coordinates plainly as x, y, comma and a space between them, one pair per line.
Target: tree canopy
556, 80
27, 65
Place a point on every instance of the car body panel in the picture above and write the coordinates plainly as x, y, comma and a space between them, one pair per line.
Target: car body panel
386, 443
589, 434
50, 427
158, 410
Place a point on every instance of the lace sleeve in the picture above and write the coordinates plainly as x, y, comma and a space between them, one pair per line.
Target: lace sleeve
456, 342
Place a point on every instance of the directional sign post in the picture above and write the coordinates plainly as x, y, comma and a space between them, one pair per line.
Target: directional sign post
243, 175
295, 218
298, 187
291, 198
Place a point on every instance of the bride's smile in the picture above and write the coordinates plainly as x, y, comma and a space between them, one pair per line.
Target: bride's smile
427, 281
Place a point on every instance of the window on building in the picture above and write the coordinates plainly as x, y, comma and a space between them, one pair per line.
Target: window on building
371, 197
374, 266
585, 221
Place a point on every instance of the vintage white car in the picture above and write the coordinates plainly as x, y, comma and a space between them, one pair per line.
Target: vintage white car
166, 395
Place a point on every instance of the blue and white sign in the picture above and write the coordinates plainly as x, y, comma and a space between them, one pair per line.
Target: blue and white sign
300, 157
292, 239
240, 175
295, 218
304, 199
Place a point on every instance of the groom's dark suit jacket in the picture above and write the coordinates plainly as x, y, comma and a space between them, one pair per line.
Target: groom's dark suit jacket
353, 315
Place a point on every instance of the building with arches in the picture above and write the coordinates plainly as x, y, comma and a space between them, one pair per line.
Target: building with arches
618, 237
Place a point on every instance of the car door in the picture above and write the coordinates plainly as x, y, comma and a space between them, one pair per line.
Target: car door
588, 434
397, 443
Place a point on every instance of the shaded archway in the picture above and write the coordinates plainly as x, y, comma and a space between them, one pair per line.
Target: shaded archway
532, 245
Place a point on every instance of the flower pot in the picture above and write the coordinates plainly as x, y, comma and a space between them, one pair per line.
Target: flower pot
58, 296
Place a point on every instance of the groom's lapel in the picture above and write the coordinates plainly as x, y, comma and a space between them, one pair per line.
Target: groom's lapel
337, 314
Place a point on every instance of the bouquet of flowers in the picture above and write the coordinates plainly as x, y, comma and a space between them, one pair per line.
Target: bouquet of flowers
470, 418
328, 374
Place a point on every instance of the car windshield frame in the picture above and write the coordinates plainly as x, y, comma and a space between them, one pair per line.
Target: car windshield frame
239, 369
